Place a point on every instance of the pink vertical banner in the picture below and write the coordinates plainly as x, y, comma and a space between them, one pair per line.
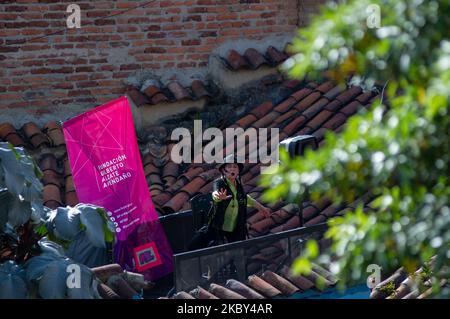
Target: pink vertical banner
107, 171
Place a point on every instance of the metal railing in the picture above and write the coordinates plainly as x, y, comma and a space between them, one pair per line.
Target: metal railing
241, 259
181, 227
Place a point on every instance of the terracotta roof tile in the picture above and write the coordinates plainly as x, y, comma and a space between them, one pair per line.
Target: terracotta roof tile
161, 161
69, 184
290, 208
137, 97
301, 94
316, 220
6, 129
147, 159
152, 90
247, 120
255, 218
309, 212
178, 91
242, 289
201, 293
299, 281
325, 87
320, 133
339, 128
182, 295
104, 272
285, 105
286, 116
311, 104
292, 223
176, 202
254, 58
277, 229
266, 120
106, 292
262, 109
156, 189
312, 85
396, 278
193, 186
180, 182
157, 150
264, 225
31, 129
276, 282
159, 98
263, 287
275, 56
67, 170
35, 135
334, 106
235, 60
153, 179
305, 131
330, 211
210, 175
337, 120
54, 131
293, 126
161, 199
51, 177
318, 120
310, 109
325, 273
224, 293
153, 93
199, 89
48, 162
271, 79
150, 168
72, 198
52, 196
292, 84
280, 216
15, 139
208, 188
335, 91
193, 172
349, 94
364, 97
39, 140
351, 108
170, 169
279, 282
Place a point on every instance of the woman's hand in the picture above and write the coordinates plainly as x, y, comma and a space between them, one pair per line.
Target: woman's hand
222, 194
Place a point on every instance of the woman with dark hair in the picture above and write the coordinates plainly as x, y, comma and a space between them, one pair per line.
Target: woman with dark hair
227, 218
229, 215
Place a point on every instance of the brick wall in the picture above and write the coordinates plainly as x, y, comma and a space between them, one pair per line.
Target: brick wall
86, 67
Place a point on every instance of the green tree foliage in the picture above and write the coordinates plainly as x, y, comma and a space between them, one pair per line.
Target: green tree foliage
398, 151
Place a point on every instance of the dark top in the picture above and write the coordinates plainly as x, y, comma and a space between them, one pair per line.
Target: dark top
218, 211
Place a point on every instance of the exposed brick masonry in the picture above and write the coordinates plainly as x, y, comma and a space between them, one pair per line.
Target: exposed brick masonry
86, 67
